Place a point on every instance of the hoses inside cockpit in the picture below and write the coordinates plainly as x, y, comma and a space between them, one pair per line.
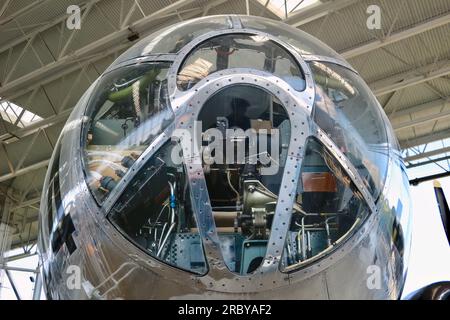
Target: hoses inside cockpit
172, 197
132, 89
172, 206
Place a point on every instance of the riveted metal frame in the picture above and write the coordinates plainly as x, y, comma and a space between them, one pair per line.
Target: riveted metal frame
140, 162
343, 245
178, 97
347, 165
298, 105
268, 274
342, 63
236, 20
148, 152
170, 57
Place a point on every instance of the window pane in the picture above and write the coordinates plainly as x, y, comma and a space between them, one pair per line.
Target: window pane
59, 222
54, 204
155, 212
348, 112
173, 38
301, 41
129, 109
239, 51
327, 208
246, 134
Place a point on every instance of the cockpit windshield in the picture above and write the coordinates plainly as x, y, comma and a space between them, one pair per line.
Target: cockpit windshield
173, 38
245, 137
328, 208
347, 111
239, 51
155, 212
129, 109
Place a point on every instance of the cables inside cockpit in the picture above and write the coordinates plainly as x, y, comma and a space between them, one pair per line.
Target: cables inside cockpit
172, 206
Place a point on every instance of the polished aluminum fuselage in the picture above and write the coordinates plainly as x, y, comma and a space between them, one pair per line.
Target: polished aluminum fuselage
112, 267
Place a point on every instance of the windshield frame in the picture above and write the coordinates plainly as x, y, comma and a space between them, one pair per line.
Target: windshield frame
87, 121
180, 104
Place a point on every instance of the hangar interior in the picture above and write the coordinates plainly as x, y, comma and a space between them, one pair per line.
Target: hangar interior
45, 67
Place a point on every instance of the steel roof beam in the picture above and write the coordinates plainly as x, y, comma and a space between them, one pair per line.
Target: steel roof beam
317, 11
96, 47
11, 282
417, 141
411, 78
424, 163
20, 11
422, 120
36, 126
18, 257
4, 7
35, 166
427, 154
27, 203
10, 268
398, 36
10, 137
47, 26
418, 108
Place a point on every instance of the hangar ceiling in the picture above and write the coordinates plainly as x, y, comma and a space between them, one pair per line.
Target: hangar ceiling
45, 68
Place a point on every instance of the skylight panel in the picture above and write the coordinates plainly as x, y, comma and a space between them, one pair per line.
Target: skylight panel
281, 7
16, 115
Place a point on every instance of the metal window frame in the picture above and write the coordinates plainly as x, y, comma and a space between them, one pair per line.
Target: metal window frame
186, 105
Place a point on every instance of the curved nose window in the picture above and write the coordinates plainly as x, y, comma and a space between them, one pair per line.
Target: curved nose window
246, 134
129, 108
173, 38
327, 210
239, 51
349, 113
302, 42
155, 212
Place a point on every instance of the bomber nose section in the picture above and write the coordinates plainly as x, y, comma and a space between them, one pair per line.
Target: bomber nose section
223, 154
